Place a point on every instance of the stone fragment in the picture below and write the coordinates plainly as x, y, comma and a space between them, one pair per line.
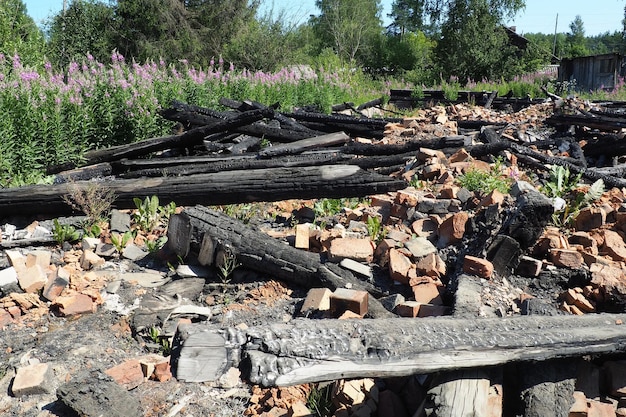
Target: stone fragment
426, 293
477, 266
459, 156
590, 218
494, 197
145, 279
33, 379
128, 374
230, 379
89, 260
6, 318
431, 265
399, 266
317, 299
106, 250
120, 222
600, 409
579, 408
408, 309
420, 247
39, 257
452, 229
56, 283
343, 299
425, 227
449, 191
89, 243
162, 371
407, 197
357, 267
73, 305
566, 258
361, 250
398, 236
614, 245
95, 394
299, 409
529, 267
32, 278
17, 260
8, 276
302, 236
391, 301
134, 253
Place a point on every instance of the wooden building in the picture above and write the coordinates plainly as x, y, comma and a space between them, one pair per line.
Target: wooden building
594, 72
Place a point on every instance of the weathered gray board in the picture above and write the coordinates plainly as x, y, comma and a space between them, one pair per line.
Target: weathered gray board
304, 351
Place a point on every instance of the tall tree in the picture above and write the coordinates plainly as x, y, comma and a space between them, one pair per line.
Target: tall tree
407, 15
576, 40
194, 30
19, 34
87, 26
350, 27
474, 44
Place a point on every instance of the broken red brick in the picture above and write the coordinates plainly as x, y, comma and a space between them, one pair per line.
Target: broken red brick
566, 258
343, 299
128, 374
452, 229
427, 293
614, 245
477, 266
317, 299
590, 218
399, 266
361, 250
74, 304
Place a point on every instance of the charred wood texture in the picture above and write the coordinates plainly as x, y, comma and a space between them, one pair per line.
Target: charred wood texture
202, 231
304, 351
230, 187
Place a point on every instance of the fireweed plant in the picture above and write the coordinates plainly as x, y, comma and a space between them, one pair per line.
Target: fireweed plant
49, 117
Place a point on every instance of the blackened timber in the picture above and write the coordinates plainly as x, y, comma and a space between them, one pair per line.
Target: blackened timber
326, 181
285, 121
202, 231
522, 151
304, 351
369, 104
300, 146
341, 119
351, 129
602, 123
190, 138
412, 145
246, 162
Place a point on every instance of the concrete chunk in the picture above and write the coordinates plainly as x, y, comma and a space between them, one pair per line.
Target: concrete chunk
33, 379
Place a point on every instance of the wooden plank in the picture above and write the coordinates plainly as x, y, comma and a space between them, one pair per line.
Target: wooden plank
303, 351
276, 184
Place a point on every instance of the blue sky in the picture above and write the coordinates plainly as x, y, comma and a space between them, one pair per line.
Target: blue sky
598, 16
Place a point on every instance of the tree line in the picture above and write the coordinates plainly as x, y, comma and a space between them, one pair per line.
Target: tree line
427, 40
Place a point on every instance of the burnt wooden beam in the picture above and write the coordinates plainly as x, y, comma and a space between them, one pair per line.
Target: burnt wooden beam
202, 231
304, 351
231, 187
300, 146
602, 123
190, 138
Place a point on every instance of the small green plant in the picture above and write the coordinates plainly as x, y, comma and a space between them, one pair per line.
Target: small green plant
320, 400
486, 182
64, 232
375, 229
226, 264
163, 342
120, 242
573, 199
155, 245
333, 206
92, 230
150, 214
561, 182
